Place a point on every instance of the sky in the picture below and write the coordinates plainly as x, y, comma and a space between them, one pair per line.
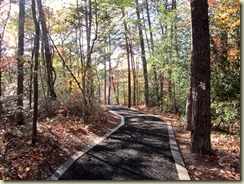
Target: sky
59, 4
54, 4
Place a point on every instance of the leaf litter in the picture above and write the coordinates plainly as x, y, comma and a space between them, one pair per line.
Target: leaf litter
224, 164
58, 138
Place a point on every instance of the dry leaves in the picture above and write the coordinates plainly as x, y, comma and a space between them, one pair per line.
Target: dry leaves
58, 138
223, 165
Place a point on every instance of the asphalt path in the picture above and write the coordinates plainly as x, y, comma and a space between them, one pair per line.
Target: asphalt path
139, 150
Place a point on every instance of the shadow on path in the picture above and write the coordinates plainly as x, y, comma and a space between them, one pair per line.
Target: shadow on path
139, 150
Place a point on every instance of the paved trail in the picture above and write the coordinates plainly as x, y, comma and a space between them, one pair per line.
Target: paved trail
139, 150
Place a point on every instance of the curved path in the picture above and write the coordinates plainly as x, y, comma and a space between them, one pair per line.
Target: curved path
138, 150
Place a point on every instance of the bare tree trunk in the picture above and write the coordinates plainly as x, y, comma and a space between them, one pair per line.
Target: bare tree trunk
48, 54
143, 56
161, 74
161, 79
105, 82
133, 73
31, 77
88, 69
189, 110
36, 54
170, 81
200, 70
152, 49
115, 92
175, 102
90, 45
20, 88
109, 79
128, 58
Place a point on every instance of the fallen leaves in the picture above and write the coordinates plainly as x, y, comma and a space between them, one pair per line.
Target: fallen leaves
58, 138
13, 156
27, 169
223, 165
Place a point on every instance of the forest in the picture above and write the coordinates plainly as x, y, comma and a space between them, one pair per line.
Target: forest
62, 62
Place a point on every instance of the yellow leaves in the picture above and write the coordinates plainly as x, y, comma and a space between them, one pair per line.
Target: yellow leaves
236, 23
74, 87
27, 169
226, 13
234, 54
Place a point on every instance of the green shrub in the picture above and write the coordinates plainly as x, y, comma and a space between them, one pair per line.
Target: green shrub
226, 116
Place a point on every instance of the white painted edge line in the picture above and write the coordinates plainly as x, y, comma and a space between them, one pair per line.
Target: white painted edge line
179, 163
60, 171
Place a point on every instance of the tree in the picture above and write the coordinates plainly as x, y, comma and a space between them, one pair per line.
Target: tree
225, 63
20, 59
143, 56
36, 54
200, 70
155, 77
128, 57
48, 54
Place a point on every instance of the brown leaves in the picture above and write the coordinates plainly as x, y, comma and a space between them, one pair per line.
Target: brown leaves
13, 156
58, 138
223, 165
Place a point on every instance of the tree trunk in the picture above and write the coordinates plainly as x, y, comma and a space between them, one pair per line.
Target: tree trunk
48, 54
200, 69
110, 74
36, 54
31, 77
105, 82
88, 69
189, 110
133, 73
128, 58
20, 88
143, 56
161, 79
156, 88
115, 92
172, 95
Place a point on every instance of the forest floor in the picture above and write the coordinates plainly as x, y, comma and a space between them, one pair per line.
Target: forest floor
61, 136
58, 138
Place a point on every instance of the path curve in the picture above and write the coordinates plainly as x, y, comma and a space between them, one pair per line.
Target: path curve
142, 148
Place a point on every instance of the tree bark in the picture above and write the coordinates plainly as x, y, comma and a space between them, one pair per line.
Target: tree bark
31, 77
189, 110
133, 73
110, 72
172, 92
105, 82
200, 69
36, 63
128, 58
143, 56
152, 49
20, 59
48, 54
